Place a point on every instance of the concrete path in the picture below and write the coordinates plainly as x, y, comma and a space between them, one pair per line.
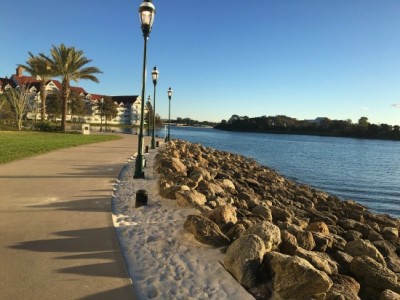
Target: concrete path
57, 240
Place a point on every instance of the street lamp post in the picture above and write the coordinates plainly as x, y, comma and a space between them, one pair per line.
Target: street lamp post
148, 104
147, 12
154, 75
169, 114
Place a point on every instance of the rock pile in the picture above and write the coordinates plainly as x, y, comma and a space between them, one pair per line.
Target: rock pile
282, 240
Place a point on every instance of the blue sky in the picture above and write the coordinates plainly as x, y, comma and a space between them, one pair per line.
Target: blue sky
301, 58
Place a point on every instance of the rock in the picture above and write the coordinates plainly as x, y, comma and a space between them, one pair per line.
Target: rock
362, 247
352, 235
236, 231
210, 188
373, 274
344, 287
390, 233
338, 243
227, 185
305, 239
318, 227
243, 259
223, 215
389, 295
280, 214
173, 164
205, 231
296, 278
289, 243
170, 191
322, 241
190, 198
319, 260
343, 259
269, 234
349, 224
263, 211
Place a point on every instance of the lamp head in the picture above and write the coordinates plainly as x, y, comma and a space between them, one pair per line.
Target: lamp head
147, 12
169, 93
154, 75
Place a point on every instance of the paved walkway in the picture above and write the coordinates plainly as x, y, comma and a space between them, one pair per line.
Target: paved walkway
57, 240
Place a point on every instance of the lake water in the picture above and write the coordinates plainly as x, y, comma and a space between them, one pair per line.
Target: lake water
367, 171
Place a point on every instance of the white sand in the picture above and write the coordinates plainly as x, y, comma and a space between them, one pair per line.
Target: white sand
164, 261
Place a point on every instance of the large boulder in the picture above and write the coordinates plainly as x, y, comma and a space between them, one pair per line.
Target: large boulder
169, 191
243, 259
205, 231
190, 198
373, 274
268, 232
389, 295
304, 238
344, 287
223, 215
361, 247
296, 278
173, 164
319, 260
318, 227
263, 211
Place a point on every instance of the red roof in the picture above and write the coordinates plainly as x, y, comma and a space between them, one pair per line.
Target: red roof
78, 90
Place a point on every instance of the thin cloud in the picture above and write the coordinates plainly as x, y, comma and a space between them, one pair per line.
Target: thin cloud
396, 105
365, 108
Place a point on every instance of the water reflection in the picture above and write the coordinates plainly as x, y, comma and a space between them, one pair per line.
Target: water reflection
160, 132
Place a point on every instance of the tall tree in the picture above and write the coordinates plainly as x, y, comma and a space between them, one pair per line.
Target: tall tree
40, 68
69, 63
109, 109
54, 105
18, 98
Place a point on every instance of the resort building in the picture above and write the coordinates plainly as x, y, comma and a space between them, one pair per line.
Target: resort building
128, 107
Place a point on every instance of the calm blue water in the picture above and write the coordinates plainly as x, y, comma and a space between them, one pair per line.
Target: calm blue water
367, 171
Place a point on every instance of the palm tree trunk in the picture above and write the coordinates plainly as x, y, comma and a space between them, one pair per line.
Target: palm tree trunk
43, 96
65, 95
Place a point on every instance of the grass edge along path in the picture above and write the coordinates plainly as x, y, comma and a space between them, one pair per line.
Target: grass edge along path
15, 145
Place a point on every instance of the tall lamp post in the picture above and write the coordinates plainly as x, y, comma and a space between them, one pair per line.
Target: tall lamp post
148, 104
147, 12
169, 114
154, 75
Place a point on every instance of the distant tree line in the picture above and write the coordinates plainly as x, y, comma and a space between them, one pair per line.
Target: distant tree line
319, 126
191, 122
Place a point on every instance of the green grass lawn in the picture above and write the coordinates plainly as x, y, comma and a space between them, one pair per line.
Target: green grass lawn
16, 145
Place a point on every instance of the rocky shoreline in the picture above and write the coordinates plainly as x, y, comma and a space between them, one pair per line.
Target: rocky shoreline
281, 240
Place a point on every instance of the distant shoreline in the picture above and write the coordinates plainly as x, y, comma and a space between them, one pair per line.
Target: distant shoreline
311, 133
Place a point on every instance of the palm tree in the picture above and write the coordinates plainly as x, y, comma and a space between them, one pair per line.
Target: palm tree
68, 64
38, 67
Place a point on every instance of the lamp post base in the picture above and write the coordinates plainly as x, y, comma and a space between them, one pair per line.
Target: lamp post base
139, 173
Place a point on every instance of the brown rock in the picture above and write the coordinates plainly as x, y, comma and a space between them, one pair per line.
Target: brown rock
243, 259
205, 231
318, 227
344, 287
